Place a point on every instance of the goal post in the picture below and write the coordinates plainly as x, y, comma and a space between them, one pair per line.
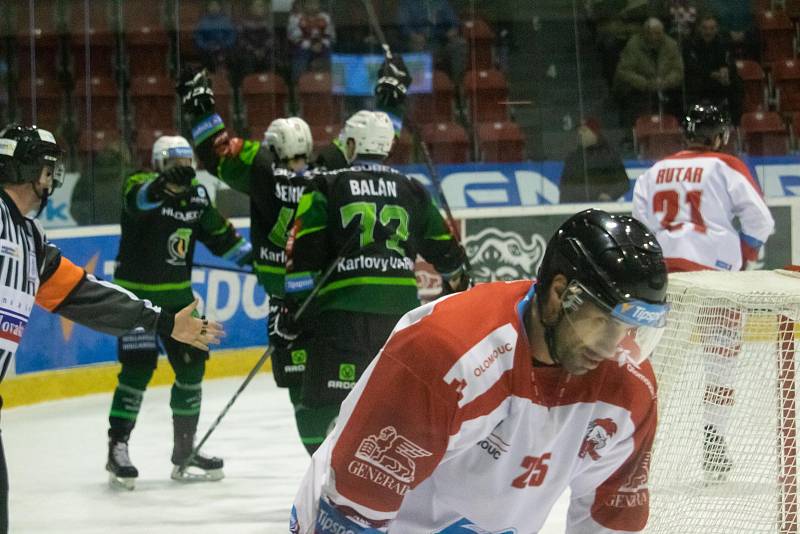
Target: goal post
725, 454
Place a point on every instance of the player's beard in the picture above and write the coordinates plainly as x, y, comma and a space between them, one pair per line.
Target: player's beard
571, 349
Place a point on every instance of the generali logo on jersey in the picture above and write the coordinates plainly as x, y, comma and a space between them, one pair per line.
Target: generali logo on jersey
633, 492
387, 459
597, 436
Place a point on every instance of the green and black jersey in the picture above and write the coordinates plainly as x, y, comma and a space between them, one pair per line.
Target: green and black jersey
158, 240
396, 220
248, 167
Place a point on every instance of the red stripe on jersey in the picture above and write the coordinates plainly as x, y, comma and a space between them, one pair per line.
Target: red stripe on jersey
681, 265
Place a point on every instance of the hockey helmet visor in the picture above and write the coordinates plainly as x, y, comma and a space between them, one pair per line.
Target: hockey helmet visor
631, 329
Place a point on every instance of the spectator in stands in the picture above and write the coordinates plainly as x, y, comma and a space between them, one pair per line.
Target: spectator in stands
649, 75
214, 36
311, 34
711, 74
594, 171
615, 22
432, 25
736, 20
255, 38
681, 16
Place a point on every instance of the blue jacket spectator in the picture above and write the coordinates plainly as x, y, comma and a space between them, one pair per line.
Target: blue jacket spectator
214, 35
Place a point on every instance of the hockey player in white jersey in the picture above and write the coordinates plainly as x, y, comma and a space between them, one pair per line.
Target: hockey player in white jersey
484, 406
690, 201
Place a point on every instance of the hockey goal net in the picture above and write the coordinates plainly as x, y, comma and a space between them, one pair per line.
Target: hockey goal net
725, 454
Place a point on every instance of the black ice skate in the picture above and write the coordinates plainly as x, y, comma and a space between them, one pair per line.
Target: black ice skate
716, 463
121, 472
188, 467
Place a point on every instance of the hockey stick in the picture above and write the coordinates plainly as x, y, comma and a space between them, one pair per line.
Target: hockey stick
271, 348
426, 155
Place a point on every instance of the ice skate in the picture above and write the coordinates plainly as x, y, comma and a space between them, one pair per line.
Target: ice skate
199, 469
122, 473
716, 463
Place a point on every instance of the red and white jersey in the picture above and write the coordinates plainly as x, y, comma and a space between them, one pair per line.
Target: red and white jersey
689, 201
454, 429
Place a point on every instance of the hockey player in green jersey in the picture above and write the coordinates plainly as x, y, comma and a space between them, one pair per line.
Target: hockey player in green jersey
273, 173
371, 286
165, 212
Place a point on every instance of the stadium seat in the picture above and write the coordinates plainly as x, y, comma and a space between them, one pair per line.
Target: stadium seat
792, 8
264, 96
402, 149
436, 106
657, 136
323, 134
486, 90
104, 101
317, 103
46, 99
501, 142
753, 81
777, 36
93, 141
447, 142
93, 27
145, 37
480, 39
764, 134
786, 77
223, 95
45, 31
153, 101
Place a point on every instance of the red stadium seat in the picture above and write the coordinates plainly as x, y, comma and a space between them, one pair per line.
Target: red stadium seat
486, 90
92, 27
93, 141
46, 100
323, 135
447, 142
764, 134
436, 106
146, 41
657, 136
264, 95
753, 80
402, 149
480, 39
786, 77
318, 105
153, 101
501, 142
777, 36
104, 101
45, 31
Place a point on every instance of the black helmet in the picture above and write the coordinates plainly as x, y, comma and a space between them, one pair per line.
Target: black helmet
613, 256
704, 122
24, 151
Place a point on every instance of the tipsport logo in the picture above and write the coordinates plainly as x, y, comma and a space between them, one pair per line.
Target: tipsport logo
503, 255
642, 313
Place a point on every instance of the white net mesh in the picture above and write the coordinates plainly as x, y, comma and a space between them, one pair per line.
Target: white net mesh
724, 458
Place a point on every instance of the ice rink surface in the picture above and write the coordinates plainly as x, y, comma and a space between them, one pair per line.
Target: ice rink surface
56, 453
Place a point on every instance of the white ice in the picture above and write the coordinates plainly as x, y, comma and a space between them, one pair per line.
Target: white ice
56, 453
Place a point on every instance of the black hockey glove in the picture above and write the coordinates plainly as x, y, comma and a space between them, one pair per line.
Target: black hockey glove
393, 83
176, 176
194, 90
281, 326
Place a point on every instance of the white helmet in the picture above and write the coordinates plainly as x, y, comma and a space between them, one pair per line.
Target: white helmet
290, 138
372, 132
168, 147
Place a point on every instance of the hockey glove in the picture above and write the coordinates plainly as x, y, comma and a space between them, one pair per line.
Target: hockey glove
281, 326
174, 182
194, 90
393, 83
